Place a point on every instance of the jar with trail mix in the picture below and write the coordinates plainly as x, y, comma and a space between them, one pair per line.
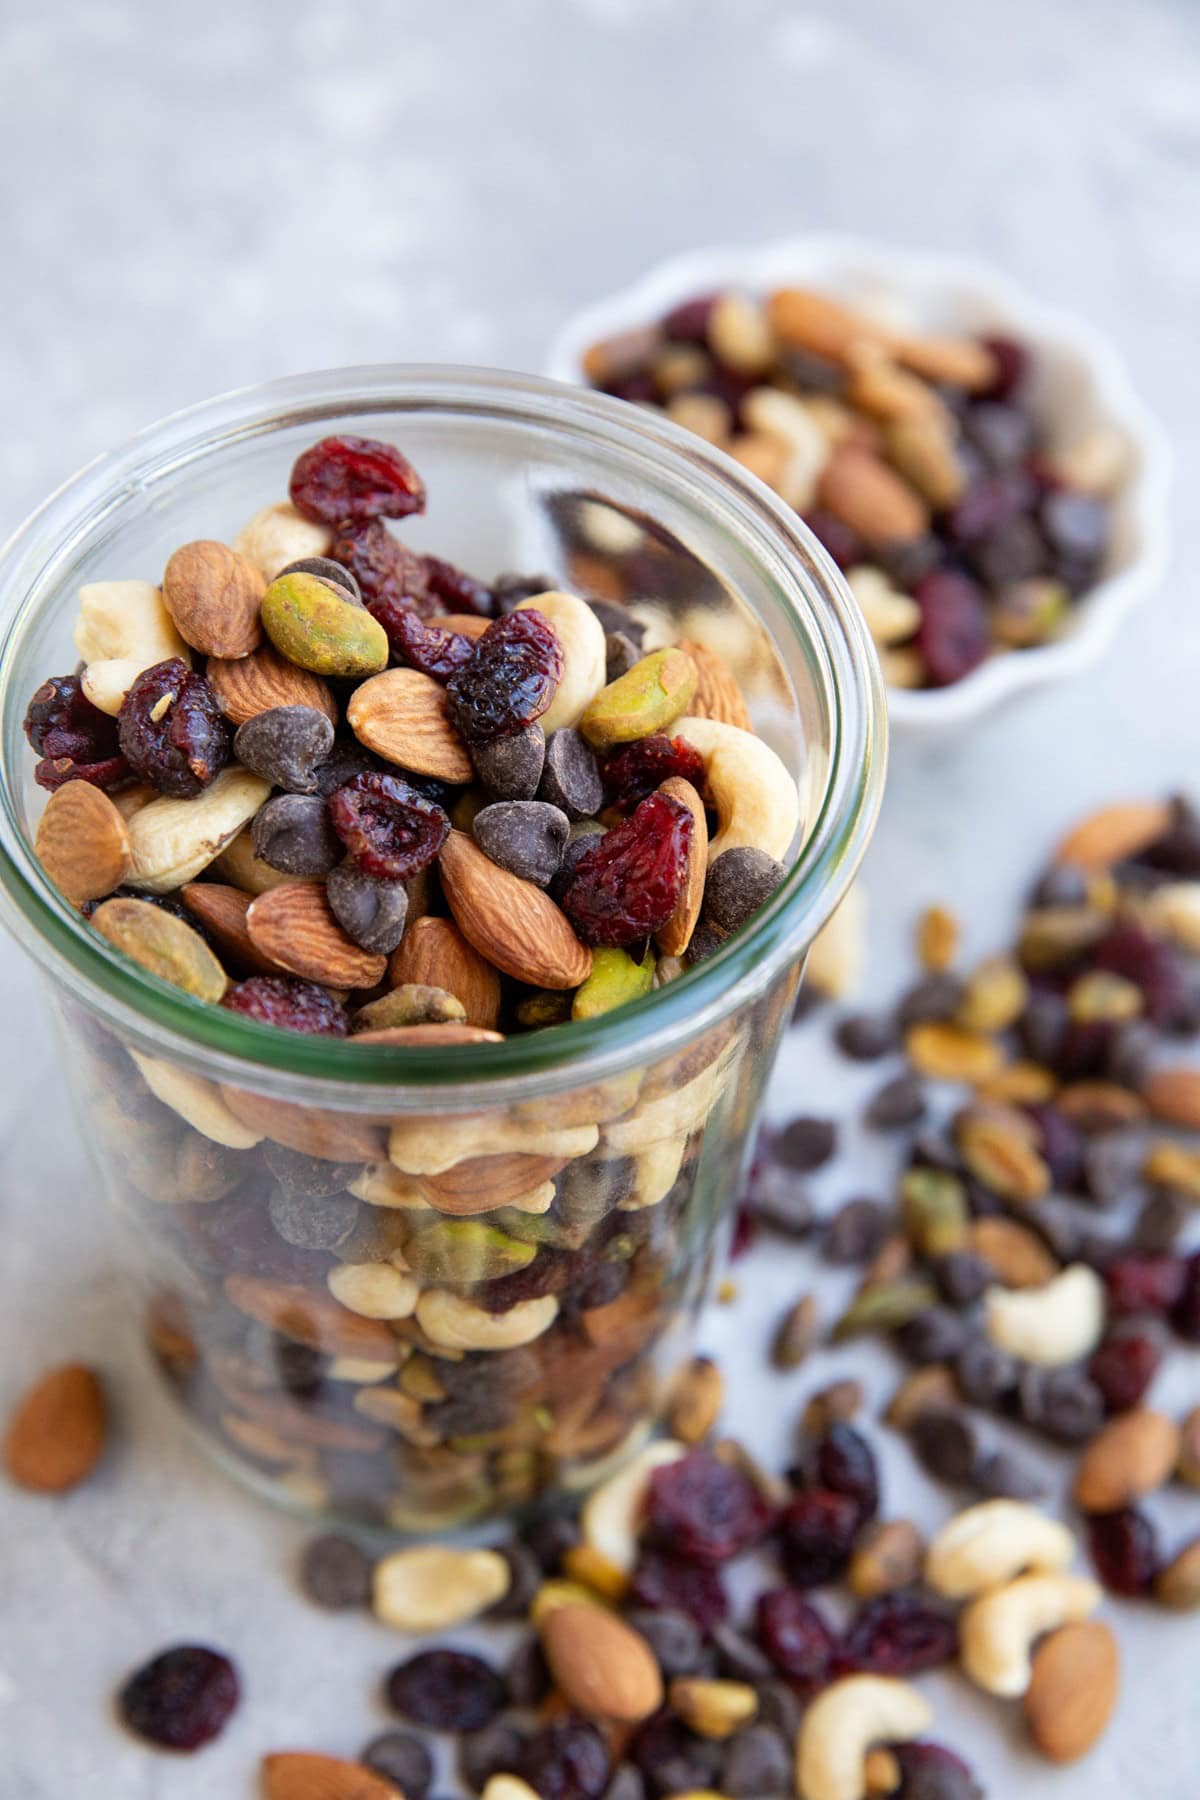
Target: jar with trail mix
419, 919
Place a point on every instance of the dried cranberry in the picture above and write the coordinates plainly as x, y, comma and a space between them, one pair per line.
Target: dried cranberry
817, 1532
673, 1759
796, 1638
664, 1580
897, 1634
509, 680
181, 1699
457, 591
953, 636
446, 1690
391, 830
353, 480
1145, 1283
172, 730
75, 740
704, 1510
844, 1463
843, 544
987, 505
54, 772
1124, 1365
1060, 1143
628, 885
1124, 1547
743, 1232
634, 771
688, 322
429, 648
1011, 366
1150, 964
290, 1004
565, 1761
931, 1772
548, 1273
383, 567
1185, 1314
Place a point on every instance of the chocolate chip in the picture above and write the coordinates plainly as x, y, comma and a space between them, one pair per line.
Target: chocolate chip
525, 1578
865, 1037
292, 833
510, 768
705, 942
899, 1102
934, 1336
1063, 1403
571, 777
739, 1657
805, 1143
778, 1201
1130, 1052
527, 1675
1043, 1026
403, 1759
934, 997
855, 1232
335, 1573
962, 1275
675, 1639
626, 1784
779, 1708
526, 837
309, 1177
493, 1750
372, 913
617, 618
620, 654
1161, 1220
738, 883
945, 1445
550, 1539
347, 759
509, 590
757, 1765
285, 745
1063, 884
985, 1374
313, 1224
1002, 1476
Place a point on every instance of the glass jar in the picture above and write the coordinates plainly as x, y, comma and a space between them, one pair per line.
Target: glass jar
419, 1288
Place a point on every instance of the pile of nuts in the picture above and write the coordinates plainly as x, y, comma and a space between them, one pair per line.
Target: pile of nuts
919, 462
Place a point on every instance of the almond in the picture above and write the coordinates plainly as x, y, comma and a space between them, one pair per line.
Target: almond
717, 695
294, 926
295, 1424
601, 1665
213, 595
809, 321
401, 715
1114, 834
480, 1183
959, 362
332, 1136
676, 934
56, 1436
310, 1316
303, 1775
222, 912
511, 922
1016, 1253
434, 953
468, 625
860, 489
1070, 1699
1133, 1455
1172, 1095
263, 680
82, 843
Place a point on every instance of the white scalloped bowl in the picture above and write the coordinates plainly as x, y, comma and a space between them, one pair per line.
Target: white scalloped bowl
1079, 381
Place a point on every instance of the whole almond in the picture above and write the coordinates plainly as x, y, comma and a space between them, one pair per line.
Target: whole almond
511, 922
600, 1664
809, 321
294, 926
1016, 1253
1069, 1701
1172, 1095
56, 1436
959, 362
1114, 834
860, 489
222, 912
480, 1183
264, 680
434, 953
82, 843
213, 595
717, 695
310, 1316
1177, 1583
332, 1136
303, 1775
299, 1426
676, 934
401, 715
1133, 1455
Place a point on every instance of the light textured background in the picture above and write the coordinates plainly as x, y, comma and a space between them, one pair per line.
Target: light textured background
196, 197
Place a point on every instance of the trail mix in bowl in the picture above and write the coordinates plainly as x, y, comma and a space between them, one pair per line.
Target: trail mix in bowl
920, 462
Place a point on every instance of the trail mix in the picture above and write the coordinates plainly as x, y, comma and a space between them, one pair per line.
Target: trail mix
340, 789
920, 462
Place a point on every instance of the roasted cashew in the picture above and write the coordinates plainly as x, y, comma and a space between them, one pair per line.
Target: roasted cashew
196, 1100
1050, 1325
374, 1290
988, 1545
997, 1631
279, 535
657, 1169
126, 620
430, 1146
675, 1114
433, 1587
612, 1513
379, 1184
756, 800
843, 1723
172, 840
454, 1323
584, 655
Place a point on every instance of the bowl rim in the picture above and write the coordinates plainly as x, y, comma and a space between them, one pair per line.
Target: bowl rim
1147, 490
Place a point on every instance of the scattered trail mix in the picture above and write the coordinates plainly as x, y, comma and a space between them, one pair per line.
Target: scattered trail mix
346, 790
920, 463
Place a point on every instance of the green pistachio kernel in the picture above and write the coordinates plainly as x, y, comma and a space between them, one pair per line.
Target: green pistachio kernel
462, 1251
647, 698
884, 1307
934, 1203
615, 979
318, 630
165, 945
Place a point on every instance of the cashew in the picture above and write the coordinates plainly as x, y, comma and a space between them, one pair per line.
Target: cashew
239, 866
375, 1290
891, 615
786, 418
430, 1146
449, 1320
584, 655
107, 682
196, 1100
508, 1787
279, 535
612, 1513
674, 1114
126, 620
844, 1722
359, 1370
997, 1631
379, 1184
538, 1200
1050, 1325
1176, 906
172, 840
756, 800
434, 1587
988, 1545
657, 1168
835, 959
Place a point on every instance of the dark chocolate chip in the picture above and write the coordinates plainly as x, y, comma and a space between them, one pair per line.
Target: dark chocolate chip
865, 1037
738, 883
335, 1573
805, 1143
526, 837
571, 777
510, 768
372, 913
292, 833
898, 1103
285, 745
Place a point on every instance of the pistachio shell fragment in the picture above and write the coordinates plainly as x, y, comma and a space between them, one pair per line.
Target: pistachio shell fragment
317, 630
164, 945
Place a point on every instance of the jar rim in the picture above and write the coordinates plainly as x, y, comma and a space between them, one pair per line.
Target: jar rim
323, 1071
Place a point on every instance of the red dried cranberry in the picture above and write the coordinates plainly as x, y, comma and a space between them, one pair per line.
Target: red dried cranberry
688, 322
663, 1580
844, 1463
181, 1699
352, 480
289, 1003
1124, 1547
1123, 1367
1085, 1050
457, 591
384, 568
55, 772
704, 1510
988, 504
1149, 963
796, 1638
1185, 1314
953, 636
817, 1531
75, 740
843, 544
509, 680
446, 1690
429, 648
1145, 1283
931, 1772
565, 1761
634, 771
172, 730
1012, 362
628, 886
741, 1238
897, 1634
390, 829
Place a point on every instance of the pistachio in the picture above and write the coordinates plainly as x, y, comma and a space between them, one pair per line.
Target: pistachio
646, 699
696, 1401
464, 1251
885, 1307
163, 944
1101, 998
433, 1587
934, 1203
615, 979
318, 630
412, 1003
